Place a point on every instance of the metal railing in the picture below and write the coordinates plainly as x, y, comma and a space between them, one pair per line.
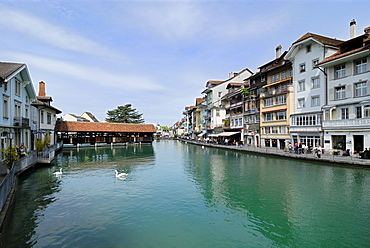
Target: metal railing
23, 163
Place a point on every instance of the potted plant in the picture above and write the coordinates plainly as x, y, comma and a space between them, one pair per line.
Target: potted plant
11, 155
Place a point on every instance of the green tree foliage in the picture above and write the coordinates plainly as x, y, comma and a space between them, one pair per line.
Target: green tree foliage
124, 114
11, 155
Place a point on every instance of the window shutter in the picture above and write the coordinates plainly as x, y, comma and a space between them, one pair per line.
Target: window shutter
349, 91
331, 94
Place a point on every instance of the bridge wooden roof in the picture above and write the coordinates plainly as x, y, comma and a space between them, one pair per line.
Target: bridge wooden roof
104, 127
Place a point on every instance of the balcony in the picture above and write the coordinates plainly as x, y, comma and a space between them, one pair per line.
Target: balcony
21, 121
353, 123
237, 104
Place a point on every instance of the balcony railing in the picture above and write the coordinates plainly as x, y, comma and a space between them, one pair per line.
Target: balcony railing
365, 122
21, 121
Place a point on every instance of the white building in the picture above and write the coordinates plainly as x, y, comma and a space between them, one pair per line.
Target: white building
346, 122
309, 86
215, 90
46, 115
17, 116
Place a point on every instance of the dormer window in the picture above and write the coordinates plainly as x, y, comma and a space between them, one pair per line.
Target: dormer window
308, 48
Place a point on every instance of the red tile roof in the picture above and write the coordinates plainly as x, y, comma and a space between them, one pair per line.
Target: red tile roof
338, 55
320, 38
198, 101
76, 126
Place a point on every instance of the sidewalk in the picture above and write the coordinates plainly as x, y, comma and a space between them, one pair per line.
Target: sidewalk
337, 159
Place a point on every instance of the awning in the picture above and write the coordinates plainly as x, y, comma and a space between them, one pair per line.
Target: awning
213, 135
201, 134
274, 110
225, 134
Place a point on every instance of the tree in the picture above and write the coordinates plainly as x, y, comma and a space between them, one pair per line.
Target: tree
124, 114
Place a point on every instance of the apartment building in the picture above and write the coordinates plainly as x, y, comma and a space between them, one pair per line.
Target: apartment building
309, 86
346, 123
276, 101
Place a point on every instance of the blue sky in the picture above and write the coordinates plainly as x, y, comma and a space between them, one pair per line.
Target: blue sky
156, 55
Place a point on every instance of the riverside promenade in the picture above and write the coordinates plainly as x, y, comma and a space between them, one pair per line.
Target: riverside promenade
327, 157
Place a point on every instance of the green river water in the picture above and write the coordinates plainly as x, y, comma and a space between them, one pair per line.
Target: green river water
182, 195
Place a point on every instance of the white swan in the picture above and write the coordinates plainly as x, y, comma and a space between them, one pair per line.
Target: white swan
120, 175
58, 173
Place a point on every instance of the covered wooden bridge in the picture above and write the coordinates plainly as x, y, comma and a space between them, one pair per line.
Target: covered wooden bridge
73, 132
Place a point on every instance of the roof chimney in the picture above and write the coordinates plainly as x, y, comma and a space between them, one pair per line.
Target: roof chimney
42, 91
278, 51
352, 29
367, 30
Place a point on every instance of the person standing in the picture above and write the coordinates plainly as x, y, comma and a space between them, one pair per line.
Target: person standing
318, 151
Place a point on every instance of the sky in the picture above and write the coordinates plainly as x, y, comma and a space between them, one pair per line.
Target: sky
96, 55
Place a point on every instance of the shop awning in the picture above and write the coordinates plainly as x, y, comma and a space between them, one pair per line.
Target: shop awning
213, 135
201, 134
225, 134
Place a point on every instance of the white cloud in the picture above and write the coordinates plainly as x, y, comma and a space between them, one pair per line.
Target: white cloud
187, 20
87, 74
173, 20
50, 34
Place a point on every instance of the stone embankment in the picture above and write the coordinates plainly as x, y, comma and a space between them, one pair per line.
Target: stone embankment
352, 160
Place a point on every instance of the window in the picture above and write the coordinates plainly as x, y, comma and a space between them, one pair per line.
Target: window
280, 99
17, 109
301, 103
302, 67
42, 116
340, 71
217, 112
281, 115
315, 81
275, 77
344, 113
274, 129
360, 66
314, 63
301, 86
48, 118
268, 116
340, 92
263, 78
5, 87
267, 102
361, 89
366, 111
306, 120
267, 130
5, 108
283, 75
358, 112
315, 101
17, 87
282, 130
290, 73
308, 48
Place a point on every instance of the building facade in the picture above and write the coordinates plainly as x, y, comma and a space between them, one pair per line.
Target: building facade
309, 87
346, 123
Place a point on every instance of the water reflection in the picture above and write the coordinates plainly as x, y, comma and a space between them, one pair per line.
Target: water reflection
282, 199
43, 188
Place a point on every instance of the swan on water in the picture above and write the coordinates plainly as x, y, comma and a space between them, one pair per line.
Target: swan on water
57, 173
120, 175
